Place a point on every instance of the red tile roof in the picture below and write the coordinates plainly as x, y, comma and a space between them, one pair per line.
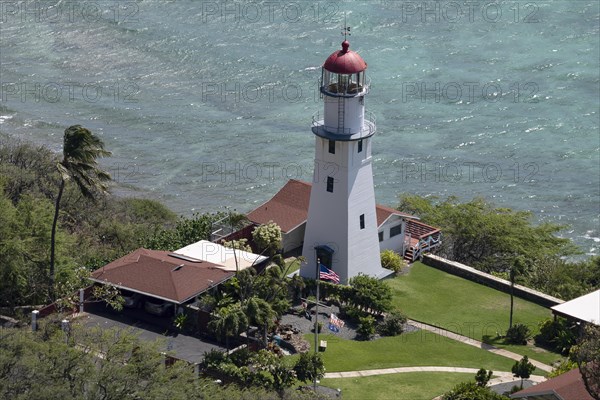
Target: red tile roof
569, 386
158, 274
289, 207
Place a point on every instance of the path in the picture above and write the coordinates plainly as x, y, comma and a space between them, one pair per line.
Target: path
476, 343
500, 375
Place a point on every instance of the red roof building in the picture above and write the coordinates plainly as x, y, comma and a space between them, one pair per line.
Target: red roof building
162, 275
288, 208
568, 386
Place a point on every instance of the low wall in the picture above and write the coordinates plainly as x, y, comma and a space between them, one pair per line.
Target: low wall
470, 273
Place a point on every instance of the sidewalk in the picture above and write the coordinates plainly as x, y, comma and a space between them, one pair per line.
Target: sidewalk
476, 343
500, 375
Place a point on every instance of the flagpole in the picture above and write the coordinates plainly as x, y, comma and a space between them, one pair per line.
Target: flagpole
317, 316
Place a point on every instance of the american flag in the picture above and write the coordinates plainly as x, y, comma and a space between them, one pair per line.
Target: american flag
327, 274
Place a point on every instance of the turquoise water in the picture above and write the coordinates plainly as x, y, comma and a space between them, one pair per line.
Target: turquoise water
207, 105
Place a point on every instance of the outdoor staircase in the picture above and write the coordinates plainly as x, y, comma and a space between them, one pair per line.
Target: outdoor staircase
421, 238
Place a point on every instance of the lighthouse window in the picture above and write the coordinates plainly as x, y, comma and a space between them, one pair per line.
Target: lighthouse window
380, 234
362, 221
332, 146
360, 146
330, 184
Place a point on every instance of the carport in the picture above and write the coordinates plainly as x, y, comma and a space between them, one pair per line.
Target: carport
163, 275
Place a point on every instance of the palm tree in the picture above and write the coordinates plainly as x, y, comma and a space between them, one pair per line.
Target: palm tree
517, 268
81, 148
261, 313
228, 321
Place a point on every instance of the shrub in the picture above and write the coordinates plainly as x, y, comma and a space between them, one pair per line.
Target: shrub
392, 324
471, 391
392, 260
353, 313
213, 359
366, 327
518, 334
556, 335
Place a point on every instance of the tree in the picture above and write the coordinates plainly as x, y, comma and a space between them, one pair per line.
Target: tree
228, 321
392, 260
479, 234
267, 237
310, 367
517, 268
523, 369
483, 377
587, 356
81, 148
261, 313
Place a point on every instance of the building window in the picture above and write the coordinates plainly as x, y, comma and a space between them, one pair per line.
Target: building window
381, 236
332, 146
396, 230
362, 221
330, 184
360, 146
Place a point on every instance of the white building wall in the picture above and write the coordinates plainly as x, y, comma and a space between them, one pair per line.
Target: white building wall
334, 217
392, 243
293, 239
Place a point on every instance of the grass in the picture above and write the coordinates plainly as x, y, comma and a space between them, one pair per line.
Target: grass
432, 296
421, 348
413, 385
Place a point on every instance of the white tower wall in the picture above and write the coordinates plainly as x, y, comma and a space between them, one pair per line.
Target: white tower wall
353, 113
344, 217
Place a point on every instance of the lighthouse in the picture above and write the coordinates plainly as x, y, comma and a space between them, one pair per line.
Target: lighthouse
341, 229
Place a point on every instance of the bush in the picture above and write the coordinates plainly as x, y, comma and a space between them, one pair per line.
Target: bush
518, 334
472, 391
392, 324
556, 335
392, 260
352, 313
366, 327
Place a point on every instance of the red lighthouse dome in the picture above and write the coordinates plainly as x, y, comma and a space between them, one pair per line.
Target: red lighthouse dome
345, 61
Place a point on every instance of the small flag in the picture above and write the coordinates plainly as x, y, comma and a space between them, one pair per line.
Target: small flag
333, 328
335, 321
327, 274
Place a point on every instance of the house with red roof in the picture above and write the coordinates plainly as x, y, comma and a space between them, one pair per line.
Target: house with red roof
568, 386
397, 231
163, 275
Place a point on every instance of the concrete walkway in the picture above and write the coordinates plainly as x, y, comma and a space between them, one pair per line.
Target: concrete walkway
500, 375
476, 343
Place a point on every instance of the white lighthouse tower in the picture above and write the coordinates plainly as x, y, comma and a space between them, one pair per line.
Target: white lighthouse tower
341, 230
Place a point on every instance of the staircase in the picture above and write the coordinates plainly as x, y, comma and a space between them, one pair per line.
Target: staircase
421, 238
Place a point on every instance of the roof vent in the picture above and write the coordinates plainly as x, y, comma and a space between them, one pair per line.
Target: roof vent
184, 257
177, 268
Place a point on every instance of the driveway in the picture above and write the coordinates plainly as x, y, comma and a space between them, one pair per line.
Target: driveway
150, 328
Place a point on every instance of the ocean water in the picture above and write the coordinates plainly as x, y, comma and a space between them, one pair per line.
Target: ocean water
207, 105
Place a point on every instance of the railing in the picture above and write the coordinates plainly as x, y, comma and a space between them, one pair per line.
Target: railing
427, 242
368, 129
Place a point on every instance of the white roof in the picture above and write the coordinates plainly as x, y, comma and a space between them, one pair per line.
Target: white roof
221, 255
584, 308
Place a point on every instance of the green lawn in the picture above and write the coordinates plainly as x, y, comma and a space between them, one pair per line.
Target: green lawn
409, 386
432, 296
421, 348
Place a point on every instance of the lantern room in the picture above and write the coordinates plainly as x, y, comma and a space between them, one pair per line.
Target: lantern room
343, 73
